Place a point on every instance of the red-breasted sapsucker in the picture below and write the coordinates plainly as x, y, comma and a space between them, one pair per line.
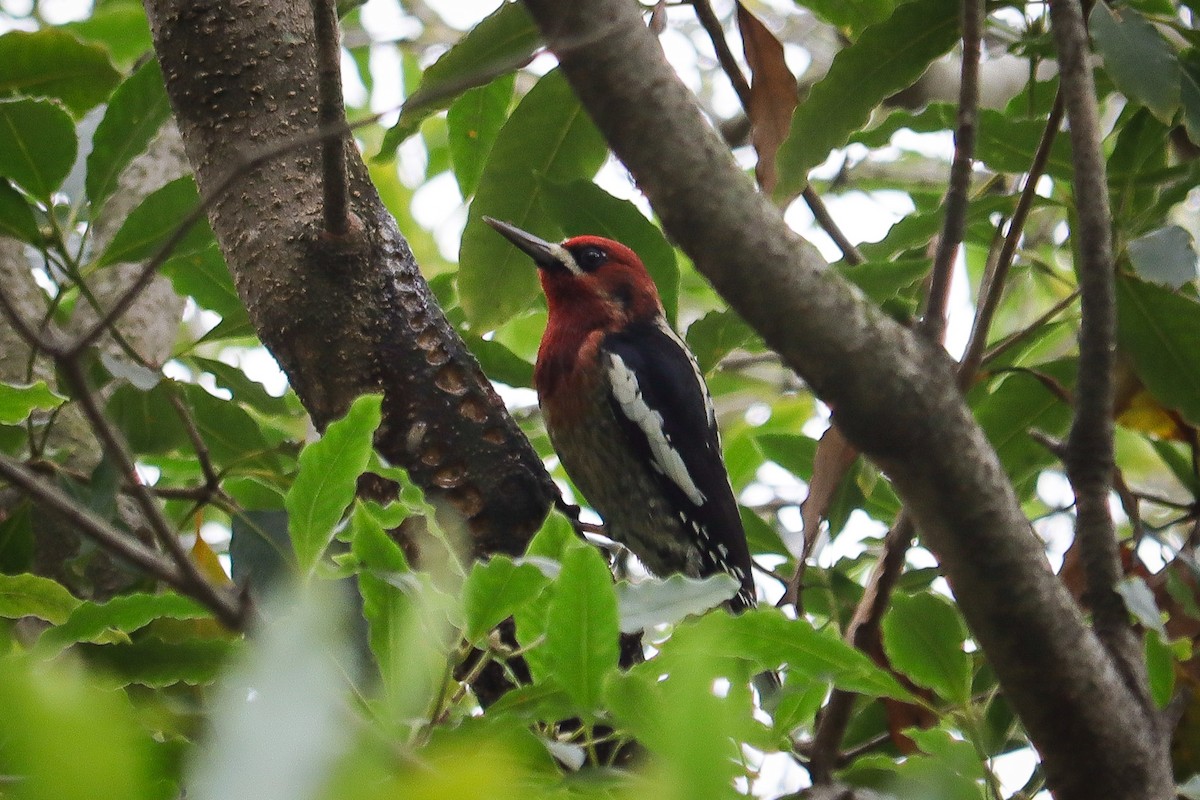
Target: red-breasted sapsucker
629, 413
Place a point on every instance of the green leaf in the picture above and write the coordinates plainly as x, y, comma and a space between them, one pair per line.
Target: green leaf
500, 43
16, 216
1020, 404
16, 539
547, 139
1160, 331
37, 145
53, 63
1002, 143
148, 419
17, 402
581, 207
154, 221
494, 590
155, 663
582, 635
134, 115
1160, 669
29, 595
888, 57
716, 335
474, 122
203, 276
325, 483
555, 539
792, 451
923, 637
854, 15
1189, 95
69, 739
406, 619
122, 615
260, 551
233, 437
761, 536
1166, 256
243, 388
1138, 59
652, 602
768, 639
499, 363
882, 280
121, 28
692, 731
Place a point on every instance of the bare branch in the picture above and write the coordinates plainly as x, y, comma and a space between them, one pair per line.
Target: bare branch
716, 33
823, 218
1089, 457
934, 321
992, 289
92, 526
227, 609
334, 180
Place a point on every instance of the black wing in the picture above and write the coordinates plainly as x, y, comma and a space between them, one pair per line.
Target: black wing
667, 416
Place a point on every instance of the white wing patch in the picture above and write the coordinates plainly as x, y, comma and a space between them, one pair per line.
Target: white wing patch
664, 457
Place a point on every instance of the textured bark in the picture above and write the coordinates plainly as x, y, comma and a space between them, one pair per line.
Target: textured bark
344, 316
893, 393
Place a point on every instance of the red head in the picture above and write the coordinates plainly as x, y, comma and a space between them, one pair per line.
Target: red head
590, 282
593, 286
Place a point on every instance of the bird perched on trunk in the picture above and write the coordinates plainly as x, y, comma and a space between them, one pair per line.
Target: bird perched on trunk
629, 413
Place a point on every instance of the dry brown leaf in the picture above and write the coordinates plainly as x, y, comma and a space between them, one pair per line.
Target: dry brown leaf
773, 94
834, 457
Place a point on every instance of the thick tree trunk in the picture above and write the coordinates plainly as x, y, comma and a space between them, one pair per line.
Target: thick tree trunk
348, 316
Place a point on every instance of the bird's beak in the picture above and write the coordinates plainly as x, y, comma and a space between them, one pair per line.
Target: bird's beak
544, 254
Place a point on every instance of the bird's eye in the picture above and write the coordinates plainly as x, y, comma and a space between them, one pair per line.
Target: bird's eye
591, 257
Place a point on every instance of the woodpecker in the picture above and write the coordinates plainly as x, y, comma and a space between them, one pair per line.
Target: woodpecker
629, 414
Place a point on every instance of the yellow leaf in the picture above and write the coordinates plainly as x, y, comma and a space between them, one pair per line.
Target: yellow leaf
209, 563
1143, 413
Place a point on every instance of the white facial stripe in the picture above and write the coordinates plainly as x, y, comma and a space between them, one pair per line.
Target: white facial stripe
664, 457
564, 256
700, 384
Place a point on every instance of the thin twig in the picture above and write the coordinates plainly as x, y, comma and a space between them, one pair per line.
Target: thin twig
228, 609
89, 524
211, 478
731, 68
992, 289
955, 224
821, 214
251, 161
966, 374
331, 110
1089, 456
728, 61
862, 630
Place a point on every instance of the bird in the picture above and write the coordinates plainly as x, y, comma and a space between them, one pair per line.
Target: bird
629, 413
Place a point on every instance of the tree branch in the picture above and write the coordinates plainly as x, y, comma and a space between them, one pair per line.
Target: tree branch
336, 204
955, 224
895, 397
992, 289
348, 315
1089, 455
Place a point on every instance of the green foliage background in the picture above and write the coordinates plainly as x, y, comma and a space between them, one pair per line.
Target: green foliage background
350, 686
